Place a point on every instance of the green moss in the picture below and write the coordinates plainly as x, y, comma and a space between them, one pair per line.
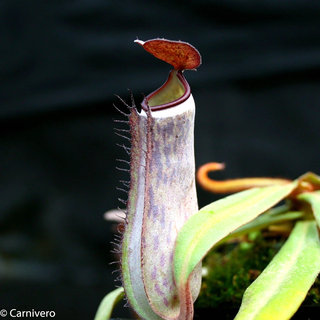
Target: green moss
233, 267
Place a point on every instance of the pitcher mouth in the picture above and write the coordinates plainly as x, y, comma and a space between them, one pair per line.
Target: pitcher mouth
173, 92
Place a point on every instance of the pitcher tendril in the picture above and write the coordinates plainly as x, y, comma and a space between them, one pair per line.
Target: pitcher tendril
232, 185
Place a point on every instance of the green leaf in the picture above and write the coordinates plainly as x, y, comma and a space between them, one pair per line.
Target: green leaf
216, 221
266, 220
108, 303
280, 289
313, 198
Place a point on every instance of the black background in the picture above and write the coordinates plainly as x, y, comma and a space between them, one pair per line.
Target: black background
61, 62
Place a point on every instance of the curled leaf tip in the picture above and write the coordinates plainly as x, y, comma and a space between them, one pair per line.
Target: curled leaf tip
181, 55
232, 185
